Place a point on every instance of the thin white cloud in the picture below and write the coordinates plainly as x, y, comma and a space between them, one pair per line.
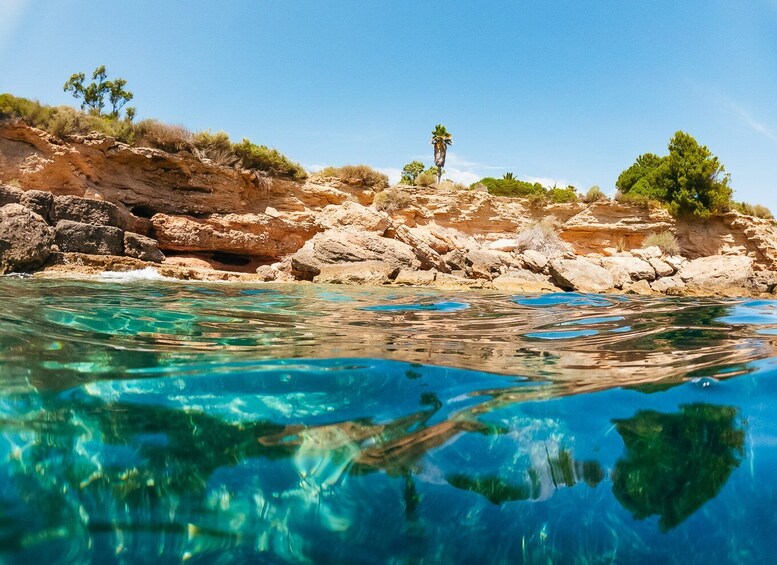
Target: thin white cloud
748, 119
459, 175
392, 173
11, 12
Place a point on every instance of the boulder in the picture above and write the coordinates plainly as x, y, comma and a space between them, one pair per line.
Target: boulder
353, 214
25, 239
9, 195
39, 201
348, 245
409, 277
523, 280
581, 275
647, 253
142, 247
444, 281
425, 253
534, 260
638, 269
717, 271
668, 285
364, 272
86, 211
662, 268
78, 237
639, 287
484, 264
506, 245
620, 274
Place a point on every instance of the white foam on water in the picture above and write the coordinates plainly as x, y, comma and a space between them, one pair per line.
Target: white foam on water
147, 274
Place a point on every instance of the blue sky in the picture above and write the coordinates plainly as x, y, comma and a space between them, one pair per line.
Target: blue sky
568, 92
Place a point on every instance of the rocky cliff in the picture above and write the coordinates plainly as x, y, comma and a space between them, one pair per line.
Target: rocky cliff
90, 203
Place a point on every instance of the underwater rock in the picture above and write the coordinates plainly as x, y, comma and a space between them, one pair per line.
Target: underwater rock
25, 239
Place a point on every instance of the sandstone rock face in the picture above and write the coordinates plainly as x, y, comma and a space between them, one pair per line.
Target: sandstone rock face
637, 269
38, 201
717, 271
604, 224
142, 247
639, 287
484, 264
668, 285
365, 272
523, 280
352, 214
25, 239
350, 246
408, 277
9, 195
661, 268
534, 260
257, 235
86, 211
580, 275
78, 237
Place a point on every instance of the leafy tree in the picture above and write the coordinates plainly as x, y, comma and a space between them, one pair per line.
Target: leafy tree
511, 187
441, 139
690, 180
94, 94
411, 171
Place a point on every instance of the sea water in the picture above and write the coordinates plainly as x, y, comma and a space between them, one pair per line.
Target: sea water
157, 421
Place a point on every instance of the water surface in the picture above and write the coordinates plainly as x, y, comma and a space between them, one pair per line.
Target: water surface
158, 421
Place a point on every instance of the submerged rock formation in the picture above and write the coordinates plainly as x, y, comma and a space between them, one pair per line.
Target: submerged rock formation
87, 201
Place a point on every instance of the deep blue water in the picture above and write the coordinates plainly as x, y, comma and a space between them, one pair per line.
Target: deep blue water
159, 422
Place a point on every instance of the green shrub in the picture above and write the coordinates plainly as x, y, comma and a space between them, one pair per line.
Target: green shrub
665, 241
170, 138
757, 210
263, 158
638, 200
356, 175
392, 199
217, 147
594, 194
427, 178
511, 187
63, 121
541, 236
562, 195
538, 199
690, 180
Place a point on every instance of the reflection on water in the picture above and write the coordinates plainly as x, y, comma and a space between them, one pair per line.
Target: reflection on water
304, 423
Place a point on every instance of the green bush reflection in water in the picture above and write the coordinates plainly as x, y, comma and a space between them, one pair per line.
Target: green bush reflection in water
674, 463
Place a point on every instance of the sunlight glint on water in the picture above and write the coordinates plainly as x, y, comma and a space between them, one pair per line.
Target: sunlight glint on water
149, 419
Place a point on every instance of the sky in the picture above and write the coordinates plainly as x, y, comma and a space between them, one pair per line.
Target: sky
560, 92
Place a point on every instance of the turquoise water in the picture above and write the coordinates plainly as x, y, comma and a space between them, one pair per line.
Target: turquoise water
159, 422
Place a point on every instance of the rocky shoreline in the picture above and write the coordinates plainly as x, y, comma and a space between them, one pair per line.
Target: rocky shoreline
92, 204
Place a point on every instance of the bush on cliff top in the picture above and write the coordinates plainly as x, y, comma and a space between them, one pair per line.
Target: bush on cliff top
757, 210
63, 121
356, 175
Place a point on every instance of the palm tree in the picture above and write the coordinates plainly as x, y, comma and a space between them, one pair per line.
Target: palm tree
508, 176
441, 139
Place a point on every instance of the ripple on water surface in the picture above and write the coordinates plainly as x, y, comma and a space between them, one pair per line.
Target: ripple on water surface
212, 422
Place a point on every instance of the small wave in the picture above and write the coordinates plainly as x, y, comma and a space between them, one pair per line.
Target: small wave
147, 274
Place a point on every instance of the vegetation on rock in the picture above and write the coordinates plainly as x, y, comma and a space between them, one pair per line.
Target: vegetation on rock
441, 139
392, 199
757, 210
540, 236
665, 241
356, 175
594, 194
94, 94
65, 121
411, 171
690, 180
